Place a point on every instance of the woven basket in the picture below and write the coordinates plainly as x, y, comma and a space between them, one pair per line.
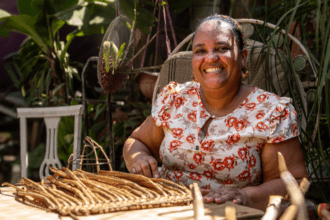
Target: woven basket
81, 193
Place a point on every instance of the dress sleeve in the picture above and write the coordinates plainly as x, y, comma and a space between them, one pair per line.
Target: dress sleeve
163, 102
283, 122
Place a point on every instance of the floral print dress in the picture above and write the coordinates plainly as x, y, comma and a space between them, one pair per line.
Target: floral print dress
229, 154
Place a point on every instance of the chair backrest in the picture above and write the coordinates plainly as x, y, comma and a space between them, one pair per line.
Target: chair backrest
263, 69
52, 117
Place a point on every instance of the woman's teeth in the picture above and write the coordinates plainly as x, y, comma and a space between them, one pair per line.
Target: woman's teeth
213, 70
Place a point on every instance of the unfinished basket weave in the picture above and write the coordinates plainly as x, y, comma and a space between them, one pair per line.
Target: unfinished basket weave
80, 193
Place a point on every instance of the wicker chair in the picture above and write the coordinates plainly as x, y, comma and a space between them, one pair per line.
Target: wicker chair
264, 67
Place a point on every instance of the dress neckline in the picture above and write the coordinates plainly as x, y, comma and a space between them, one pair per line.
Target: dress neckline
232, 112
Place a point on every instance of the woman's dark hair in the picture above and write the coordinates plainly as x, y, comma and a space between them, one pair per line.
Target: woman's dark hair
235, 27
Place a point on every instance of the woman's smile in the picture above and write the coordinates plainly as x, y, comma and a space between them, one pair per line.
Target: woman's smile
213, 70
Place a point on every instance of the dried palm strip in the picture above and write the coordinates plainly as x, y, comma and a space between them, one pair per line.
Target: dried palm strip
230, 213
182, 187
104, 195
121, 193
176, 190
198, 203
123, 181
62, 200
304, 185
42, 189
74, 177
118, 181
27, 185
39, 197
58, 173
297, 198
32, 202
101, 198
70, 194
70, 199
80, 174
110, 190
157, 194
169, 190
139, 179
98, 189
135, 192
273, 208
290, 213
83, 188
76, 192
15, 187
135, 189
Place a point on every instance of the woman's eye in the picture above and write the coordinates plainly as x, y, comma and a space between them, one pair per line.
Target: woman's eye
222, 49
199, 51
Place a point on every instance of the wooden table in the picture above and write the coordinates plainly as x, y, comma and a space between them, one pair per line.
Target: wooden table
12, 209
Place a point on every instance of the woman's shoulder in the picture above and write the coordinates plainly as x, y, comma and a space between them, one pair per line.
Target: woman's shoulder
178, 87
174, 91
261, 95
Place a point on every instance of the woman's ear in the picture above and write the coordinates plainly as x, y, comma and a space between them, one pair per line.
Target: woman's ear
244, 55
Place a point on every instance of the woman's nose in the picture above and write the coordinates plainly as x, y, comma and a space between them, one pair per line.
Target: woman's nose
211, 57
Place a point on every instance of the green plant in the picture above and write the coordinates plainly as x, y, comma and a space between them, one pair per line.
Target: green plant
45, 72
311, 24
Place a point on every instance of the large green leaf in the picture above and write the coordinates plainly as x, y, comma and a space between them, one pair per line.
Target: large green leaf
102, 14
31, 7
60, 5
144, 18
57, 24
67, 15
24, 24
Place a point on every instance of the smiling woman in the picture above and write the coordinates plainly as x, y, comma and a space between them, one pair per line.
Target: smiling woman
217, 132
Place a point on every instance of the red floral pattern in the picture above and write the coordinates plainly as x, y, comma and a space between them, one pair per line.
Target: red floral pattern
207, 145
243, 152
174, 145
209, 174
229, 154
177, 133
191, 138
198, 157
234, 138
191, 166
195, 176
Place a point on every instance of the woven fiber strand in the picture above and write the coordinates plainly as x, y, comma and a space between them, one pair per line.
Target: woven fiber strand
81, 193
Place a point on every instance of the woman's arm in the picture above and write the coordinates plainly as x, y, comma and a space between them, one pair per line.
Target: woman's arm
141, 149
258, 196
272, 183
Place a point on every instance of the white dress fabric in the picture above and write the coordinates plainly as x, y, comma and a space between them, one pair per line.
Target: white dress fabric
229, 154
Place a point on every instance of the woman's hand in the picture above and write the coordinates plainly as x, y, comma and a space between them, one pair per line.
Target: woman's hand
141, 149
145, 165
224, 194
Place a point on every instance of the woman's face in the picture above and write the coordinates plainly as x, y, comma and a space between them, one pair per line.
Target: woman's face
216, 60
